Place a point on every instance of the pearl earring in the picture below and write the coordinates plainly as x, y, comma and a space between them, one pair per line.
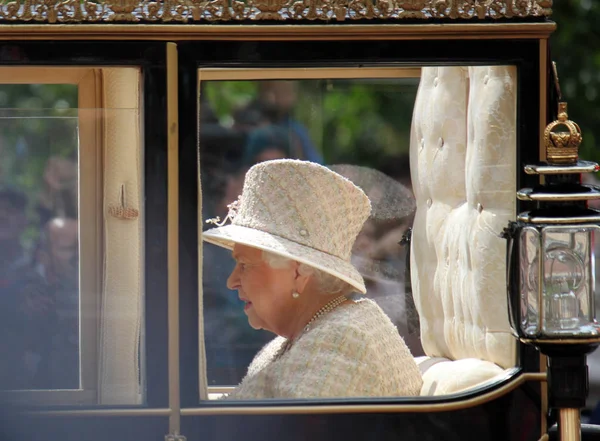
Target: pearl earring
295, 295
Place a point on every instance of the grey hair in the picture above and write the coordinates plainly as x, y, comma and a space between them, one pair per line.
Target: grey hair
326, 283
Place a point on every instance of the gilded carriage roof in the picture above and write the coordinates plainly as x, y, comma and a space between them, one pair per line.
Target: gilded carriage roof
199, 11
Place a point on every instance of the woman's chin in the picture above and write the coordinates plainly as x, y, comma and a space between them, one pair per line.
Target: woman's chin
255, 327
254, 322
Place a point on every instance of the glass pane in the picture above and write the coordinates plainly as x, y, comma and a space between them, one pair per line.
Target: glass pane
71, 278
40, 254
358, 127
568, 282
529, 261
39, 240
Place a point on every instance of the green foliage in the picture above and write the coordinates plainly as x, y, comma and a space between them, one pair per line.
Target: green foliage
36, 121
358, 121
576, 50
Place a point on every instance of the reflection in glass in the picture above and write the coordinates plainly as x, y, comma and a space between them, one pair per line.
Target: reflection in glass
530, 246
358, 127
568, 283
39, 269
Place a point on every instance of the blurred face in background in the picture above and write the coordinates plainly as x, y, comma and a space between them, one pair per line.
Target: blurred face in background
270, 153
63, 244
12, 221
278, 97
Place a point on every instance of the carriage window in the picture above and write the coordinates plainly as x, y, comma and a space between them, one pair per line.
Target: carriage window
69, 217
434, 149
358, 127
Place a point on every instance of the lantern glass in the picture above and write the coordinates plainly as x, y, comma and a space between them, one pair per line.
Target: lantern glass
568, 280
529, 247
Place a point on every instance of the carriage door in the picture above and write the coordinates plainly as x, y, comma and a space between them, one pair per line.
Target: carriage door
83, 183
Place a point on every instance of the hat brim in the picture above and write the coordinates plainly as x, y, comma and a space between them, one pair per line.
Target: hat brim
228, 235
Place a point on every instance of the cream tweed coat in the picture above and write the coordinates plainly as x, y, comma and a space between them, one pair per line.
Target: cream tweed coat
354, 351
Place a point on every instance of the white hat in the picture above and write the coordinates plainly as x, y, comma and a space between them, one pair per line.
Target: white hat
300, 210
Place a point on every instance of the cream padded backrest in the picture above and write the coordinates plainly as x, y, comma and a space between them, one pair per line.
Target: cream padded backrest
463, 166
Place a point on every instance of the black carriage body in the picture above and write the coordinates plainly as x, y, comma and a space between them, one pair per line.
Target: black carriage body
513, 409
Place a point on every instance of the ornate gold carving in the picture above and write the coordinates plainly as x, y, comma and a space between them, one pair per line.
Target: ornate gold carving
412, 8
562, 147
165, 11
123, 10
270, 9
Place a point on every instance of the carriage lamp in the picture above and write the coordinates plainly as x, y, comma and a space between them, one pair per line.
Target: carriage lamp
551, 269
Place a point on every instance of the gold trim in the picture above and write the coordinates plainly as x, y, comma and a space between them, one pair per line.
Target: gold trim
579, 168
173, 237
526, 217
529, 194
475, 31
543, 96
560, 341
569, 424
295, 73
43, 75
310, 409
195, 11
562, 148
544, 396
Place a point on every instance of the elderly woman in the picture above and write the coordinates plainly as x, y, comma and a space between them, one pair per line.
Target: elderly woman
291, 233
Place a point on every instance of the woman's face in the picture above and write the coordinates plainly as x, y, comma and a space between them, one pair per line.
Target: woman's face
266, 292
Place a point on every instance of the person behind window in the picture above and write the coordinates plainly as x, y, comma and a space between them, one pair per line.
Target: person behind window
26, 304
58, 196
275, 104
267, 143
57, 261
292, 232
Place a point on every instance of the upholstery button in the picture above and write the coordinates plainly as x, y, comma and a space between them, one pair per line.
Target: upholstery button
479, 207
436, 81
429, 202
486, 79
303, 233
441, 142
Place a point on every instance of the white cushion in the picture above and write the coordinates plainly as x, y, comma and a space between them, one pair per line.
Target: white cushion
463, 167
442, 376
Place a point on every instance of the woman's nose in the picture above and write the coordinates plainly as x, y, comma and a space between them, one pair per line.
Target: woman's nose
233, 281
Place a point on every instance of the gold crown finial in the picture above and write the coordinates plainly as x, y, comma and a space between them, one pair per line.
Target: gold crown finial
562, 147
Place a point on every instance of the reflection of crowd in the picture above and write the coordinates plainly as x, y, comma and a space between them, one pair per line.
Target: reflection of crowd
39, 292
262, 130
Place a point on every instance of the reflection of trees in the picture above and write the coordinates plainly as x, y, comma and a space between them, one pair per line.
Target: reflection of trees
358, 121
36, 122
576, 49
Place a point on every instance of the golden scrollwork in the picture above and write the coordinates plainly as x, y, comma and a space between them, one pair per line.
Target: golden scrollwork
195, 11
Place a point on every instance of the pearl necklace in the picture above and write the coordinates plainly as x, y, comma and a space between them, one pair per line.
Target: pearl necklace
320, 313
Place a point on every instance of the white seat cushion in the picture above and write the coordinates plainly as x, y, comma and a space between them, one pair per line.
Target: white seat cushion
463, 167
442, 376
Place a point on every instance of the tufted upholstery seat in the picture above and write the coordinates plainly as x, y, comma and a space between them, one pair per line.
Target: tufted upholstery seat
463, 167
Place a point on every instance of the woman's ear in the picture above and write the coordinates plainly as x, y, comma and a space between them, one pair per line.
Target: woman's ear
300, 281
